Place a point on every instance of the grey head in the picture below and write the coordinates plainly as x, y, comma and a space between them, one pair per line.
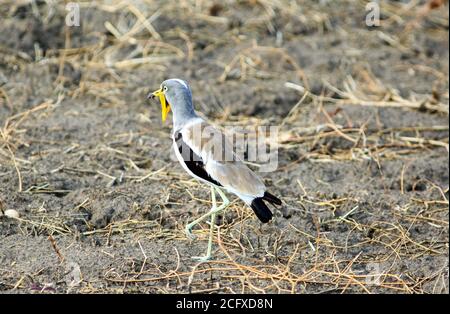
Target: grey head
178, 94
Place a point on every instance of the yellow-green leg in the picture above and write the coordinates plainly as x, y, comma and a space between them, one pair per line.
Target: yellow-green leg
213, 212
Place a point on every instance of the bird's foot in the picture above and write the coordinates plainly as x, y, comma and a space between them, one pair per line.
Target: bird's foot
189, 234
202, 259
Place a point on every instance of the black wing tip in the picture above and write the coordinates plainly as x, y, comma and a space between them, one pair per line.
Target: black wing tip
271, 198
261, 210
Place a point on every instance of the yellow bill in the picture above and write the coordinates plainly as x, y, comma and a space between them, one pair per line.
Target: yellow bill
165, 107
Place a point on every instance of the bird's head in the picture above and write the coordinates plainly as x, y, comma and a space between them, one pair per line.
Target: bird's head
173, 94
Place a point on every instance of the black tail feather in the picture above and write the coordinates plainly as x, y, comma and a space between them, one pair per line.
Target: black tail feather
271, 198
260, 208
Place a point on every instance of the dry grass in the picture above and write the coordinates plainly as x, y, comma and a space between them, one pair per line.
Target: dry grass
315, 258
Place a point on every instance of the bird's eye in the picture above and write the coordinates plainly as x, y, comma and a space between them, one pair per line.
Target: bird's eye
165, 88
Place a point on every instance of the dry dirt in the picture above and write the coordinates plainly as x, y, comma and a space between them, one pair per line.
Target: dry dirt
363, 159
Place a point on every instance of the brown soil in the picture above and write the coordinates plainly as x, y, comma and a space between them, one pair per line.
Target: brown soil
363, 160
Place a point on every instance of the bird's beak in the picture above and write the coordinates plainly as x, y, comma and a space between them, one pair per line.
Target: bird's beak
165, 107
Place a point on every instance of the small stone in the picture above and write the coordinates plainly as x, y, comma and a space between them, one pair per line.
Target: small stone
11, 213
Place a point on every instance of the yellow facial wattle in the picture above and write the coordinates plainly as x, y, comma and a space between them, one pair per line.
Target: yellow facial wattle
165, 107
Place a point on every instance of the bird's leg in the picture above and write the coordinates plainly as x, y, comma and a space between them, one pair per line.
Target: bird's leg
188, 228
211, 230
213, 213
214, 209
225, 200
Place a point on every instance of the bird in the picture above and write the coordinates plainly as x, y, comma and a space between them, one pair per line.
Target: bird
207, 155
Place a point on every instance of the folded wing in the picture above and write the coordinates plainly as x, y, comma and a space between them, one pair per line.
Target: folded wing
208, 154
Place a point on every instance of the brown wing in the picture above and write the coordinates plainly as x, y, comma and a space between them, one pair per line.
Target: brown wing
220, 161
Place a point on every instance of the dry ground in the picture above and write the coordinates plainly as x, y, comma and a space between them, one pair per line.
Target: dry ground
363, 155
